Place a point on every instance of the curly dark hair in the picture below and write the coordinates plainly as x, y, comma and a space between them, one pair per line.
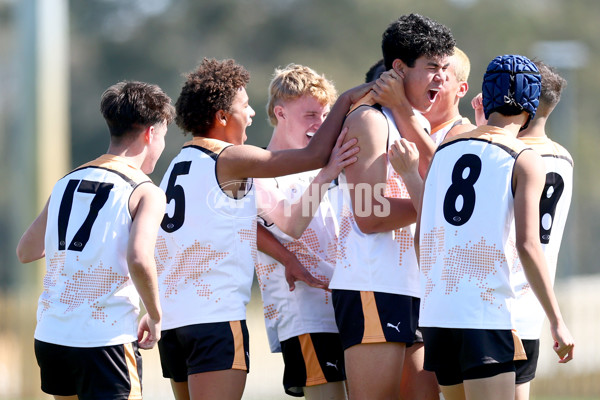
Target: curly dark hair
413, 36
211, 87
129, 106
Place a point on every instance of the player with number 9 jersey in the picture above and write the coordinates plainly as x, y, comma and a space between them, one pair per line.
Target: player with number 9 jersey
554, 208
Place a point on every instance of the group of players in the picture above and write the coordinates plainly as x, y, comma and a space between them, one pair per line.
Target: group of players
389, 235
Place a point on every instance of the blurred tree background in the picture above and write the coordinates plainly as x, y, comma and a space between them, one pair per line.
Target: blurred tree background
159, 40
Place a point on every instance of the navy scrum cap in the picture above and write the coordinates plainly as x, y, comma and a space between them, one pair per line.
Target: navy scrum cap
511, 81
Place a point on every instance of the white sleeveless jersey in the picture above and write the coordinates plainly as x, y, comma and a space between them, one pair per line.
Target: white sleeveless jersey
380, 262
438, 133
89, 299
306, 309
467, 212
528, 314
206, 247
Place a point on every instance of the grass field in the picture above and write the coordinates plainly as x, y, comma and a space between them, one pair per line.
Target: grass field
578, 380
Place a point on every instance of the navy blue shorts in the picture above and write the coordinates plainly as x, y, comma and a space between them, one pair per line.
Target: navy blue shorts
456, 355
375, 317
91, 373
194, 349
312, 359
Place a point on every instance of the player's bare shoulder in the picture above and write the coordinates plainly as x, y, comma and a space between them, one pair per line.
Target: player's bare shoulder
149, 194
365, 121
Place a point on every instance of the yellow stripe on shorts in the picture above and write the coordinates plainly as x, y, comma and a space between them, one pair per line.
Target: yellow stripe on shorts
314, 372
239, 359
373, 331
134, 378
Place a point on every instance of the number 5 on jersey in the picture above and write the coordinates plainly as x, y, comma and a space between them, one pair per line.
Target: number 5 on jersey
175, 192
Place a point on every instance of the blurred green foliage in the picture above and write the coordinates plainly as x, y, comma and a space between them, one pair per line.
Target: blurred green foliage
159, 40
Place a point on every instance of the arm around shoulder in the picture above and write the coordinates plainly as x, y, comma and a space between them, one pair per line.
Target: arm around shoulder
239, 162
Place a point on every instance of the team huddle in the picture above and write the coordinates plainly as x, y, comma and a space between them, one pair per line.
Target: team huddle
402, 252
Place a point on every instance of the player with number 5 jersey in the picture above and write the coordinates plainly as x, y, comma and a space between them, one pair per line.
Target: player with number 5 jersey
206, 248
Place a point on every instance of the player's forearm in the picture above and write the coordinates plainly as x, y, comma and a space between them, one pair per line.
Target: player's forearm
303, 211
410, 127
385, 215
324, 139
268, 244
538, 277
414, 186
31, 246
143, 276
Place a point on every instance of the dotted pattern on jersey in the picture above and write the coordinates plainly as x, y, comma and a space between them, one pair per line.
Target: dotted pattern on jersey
310, 253
513, 255
91, 287
431, 246
262, 273
55, 267
271, 312
250, 236
474, 261
406, 242
187, 265
332, 251
395, 188
346, 222
523, 288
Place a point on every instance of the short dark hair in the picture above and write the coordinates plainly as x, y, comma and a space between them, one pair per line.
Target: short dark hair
211, 87
130, 106
552, 84
412, 36
375, 71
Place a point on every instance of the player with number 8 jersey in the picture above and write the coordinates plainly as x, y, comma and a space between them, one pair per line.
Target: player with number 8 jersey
461, 258
479, 184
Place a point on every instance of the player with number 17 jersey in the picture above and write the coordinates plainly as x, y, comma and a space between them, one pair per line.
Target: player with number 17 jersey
468, 196
86, 288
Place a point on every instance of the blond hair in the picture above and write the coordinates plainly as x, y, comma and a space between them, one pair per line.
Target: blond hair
295, 81
461, 65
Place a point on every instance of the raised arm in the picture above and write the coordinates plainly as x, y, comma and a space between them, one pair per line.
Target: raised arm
367, 177
529, 183
147, 205
239, 162
294, 217
31, 247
